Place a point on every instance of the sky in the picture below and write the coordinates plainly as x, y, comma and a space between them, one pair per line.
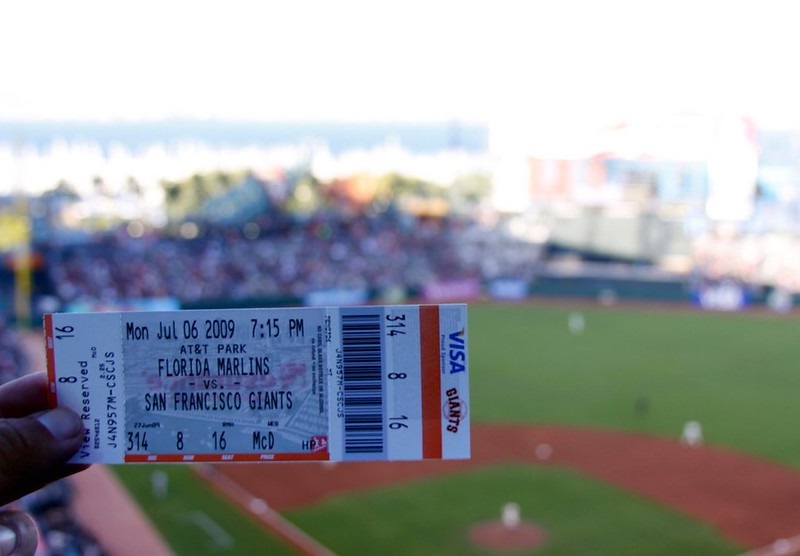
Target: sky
481, 61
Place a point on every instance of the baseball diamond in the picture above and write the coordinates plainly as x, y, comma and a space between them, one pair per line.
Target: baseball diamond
583, 431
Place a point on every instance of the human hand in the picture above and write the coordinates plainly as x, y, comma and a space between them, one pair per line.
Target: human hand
35, 442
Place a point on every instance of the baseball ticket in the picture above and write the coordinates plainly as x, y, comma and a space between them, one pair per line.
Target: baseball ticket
282, 384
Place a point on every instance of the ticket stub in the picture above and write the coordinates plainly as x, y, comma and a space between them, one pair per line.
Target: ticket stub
289, 384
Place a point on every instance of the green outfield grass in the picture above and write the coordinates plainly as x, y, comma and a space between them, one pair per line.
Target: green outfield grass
179, 515
738, 375
735, 374
434, 517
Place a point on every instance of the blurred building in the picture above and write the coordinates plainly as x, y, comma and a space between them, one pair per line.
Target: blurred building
633, 190
668, 159
778, 206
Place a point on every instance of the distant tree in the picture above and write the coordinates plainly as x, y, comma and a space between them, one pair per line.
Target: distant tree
399, 186
65, 190
54, 200
469, 192
199, 189
307, 195
100, 186
225, 181
173, 201
186, 197
133, 187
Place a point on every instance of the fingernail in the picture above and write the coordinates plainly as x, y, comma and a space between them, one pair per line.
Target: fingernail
8, 540
62, 423
18, 533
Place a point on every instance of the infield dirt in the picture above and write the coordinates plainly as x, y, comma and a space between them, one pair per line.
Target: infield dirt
751, 501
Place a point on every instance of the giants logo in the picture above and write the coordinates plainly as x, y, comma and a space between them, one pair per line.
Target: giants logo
454, 410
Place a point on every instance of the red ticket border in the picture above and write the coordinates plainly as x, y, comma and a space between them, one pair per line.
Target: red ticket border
321, 455
52, 395
430, 360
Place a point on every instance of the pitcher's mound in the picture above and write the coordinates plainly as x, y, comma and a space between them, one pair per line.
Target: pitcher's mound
494, 535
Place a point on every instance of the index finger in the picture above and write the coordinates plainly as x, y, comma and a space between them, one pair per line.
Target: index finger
24, 396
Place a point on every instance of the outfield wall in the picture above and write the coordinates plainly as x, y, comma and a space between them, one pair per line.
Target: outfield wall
606, 285
596, 282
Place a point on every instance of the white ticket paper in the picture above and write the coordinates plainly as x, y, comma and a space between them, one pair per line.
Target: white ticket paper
287, 384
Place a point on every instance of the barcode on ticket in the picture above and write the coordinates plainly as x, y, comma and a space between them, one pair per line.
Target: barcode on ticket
288, 384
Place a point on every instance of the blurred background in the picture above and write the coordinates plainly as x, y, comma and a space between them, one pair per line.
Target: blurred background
591, 154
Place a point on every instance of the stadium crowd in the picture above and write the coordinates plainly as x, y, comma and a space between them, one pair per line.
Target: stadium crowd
13, 360
768, 259
326, 251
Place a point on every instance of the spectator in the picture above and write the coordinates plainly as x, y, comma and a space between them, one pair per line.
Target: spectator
328, 251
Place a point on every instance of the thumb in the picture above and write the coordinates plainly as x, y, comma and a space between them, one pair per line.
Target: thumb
33, 449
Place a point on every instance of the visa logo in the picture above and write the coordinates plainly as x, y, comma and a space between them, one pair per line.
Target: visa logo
457, 352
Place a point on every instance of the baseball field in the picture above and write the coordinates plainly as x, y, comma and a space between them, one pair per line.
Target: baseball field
577, 412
